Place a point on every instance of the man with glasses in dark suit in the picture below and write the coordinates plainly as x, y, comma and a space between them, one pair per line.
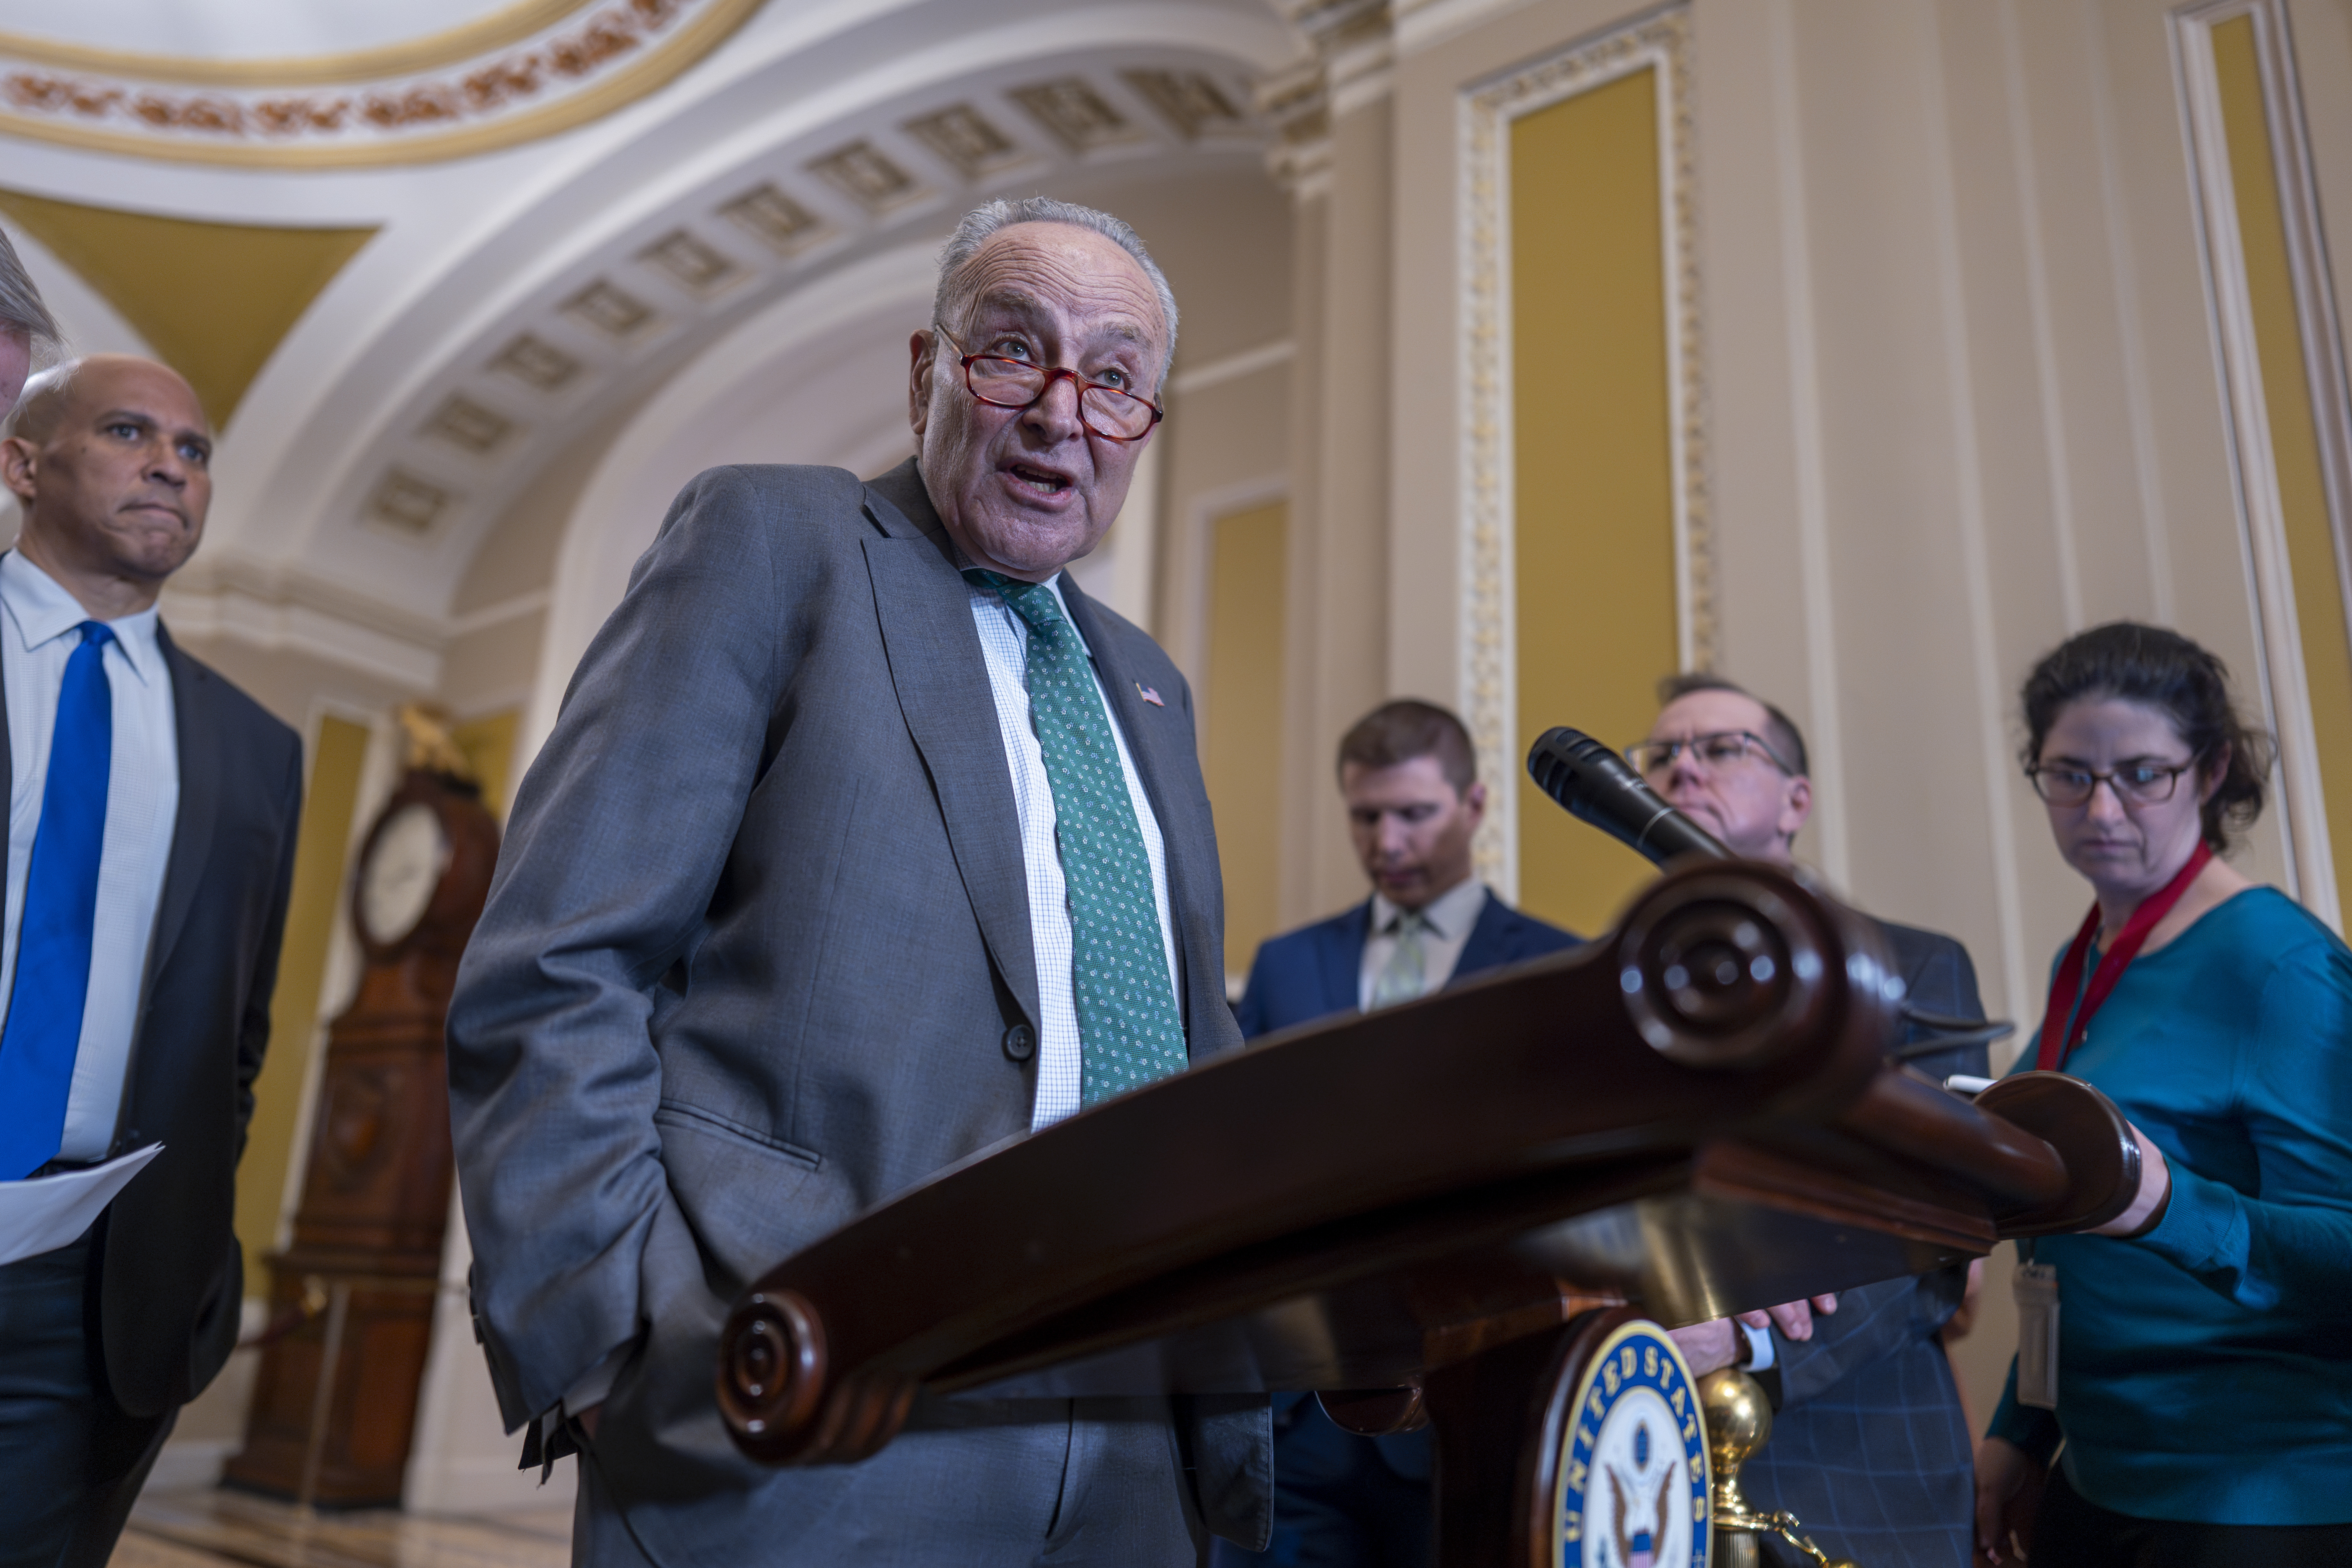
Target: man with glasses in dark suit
1870, 1445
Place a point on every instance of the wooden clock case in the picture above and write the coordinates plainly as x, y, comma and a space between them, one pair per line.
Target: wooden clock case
334, 1405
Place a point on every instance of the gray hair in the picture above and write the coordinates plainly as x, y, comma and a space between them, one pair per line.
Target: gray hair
35, 417
982, 222
21, 310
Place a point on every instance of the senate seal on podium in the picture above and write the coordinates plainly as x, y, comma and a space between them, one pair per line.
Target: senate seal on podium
1632, 1478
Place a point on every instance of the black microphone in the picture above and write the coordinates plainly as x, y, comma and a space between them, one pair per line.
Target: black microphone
1596, 786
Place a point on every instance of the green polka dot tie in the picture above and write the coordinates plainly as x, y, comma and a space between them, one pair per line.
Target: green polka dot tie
1128, 1030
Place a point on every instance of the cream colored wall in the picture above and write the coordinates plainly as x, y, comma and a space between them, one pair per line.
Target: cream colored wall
1222, 450
1961, 403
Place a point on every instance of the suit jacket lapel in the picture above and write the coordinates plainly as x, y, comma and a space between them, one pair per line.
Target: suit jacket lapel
941, 679
1340, 957
191, 830
1487, 945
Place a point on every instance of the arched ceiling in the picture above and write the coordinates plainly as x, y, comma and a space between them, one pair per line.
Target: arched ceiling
511, 301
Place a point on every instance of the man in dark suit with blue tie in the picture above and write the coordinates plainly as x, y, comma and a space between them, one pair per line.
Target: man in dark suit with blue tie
151, 843
1869, 1447
1411, 781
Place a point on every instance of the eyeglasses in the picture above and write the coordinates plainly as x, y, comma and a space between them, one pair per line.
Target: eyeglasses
1002, 383
1714, 752
2141, 784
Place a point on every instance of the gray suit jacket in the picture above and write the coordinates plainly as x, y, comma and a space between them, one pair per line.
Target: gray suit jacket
759, 930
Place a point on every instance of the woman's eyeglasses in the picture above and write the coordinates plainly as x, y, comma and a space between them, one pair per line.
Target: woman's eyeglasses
2135, 784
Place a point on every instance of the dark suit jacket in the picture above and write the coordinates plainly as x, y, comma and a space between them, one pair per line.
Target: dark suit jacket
758, 934
1314, 972
171, 1277
1870, 1447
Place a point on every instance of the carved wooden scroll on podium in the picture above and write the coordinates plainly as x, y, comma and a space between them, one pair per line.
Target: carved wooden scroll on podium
1693, 1115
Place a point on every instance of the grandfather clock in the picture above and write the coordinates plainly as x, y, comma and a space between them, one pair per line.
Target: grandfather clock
334, 1405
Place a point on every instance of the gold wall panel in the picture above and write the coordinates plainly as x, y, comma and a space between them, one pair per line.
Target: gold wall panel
1242, 750
488, 744
1583, 434
213, 299
2294, 427
312, 910
1593, 573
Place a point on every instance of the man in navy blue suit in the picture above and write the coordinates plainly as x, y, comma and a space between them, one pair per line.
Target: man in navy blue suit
1410, 777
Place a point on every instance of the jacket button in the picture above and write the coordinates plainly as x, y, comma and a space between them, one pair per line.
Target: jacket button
1021, 1042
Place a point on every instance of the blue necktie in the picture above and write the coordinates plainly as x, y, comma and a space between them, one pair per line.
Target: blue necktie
43, 1033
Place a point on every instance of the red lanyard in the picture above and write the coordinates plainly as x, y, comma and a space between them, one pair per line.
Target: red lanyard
2057, 1039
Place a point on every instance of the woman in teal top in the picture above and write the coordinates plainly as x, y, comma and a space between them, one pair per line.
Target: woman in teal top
2204, 1383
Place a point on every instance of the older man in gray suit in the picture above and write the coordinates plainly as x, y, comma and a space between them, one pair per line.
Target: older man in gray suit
26, 327
865, 841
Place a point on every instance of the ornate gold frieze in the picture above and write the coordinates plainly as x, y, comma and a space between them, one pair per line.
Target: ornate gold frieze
540, 68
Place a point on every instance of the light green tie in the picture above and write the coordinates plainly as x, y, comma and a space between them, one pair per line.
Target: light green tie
1128, 1030
1406, 973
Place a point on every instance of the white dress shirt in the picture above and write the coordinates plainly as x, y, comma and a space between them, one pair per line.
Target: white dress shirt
143, 804
1004, 641
1449, 917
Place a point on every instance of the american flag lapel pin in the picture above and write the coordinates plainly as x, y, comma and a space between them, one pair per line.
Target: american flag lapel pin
1149, 695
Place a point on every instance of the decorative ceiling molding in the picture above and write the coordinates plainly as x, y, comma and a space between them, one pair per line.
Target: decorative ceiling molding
287, 610
461, 444
570, 65
502, 29
240, 600
1352, 65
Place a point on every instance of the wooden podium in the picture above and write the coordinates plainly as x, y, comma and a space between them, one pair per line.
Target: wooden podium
1456, 1210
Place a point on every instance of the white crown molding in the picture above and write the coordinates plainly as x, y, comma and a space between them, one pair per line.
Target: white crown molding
279, 609
1232, 367
310, 618
500, 612
1420, 24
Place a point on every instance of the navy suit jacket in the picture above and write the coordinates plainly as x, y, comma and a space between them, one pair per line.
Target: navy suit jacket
1316, 970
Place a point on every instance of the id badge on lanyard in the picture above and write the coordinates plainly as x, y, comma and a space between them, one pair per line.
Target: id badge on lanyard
2036, 1289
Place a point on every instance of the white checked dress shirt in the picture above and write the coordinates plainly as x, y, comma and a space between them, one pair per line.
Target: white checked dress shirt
1450, 918
1004, 640
143, 804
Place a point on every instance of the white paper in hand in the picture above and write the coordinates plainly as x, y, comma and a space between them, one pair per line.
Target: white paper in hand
42, 1216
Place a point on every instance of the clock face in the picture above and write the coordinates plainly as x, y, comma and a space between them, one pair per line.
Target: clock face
397, 883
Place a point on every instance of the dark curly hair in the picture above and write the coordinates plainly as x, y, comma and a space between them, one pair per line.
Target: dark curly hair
2134, 663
